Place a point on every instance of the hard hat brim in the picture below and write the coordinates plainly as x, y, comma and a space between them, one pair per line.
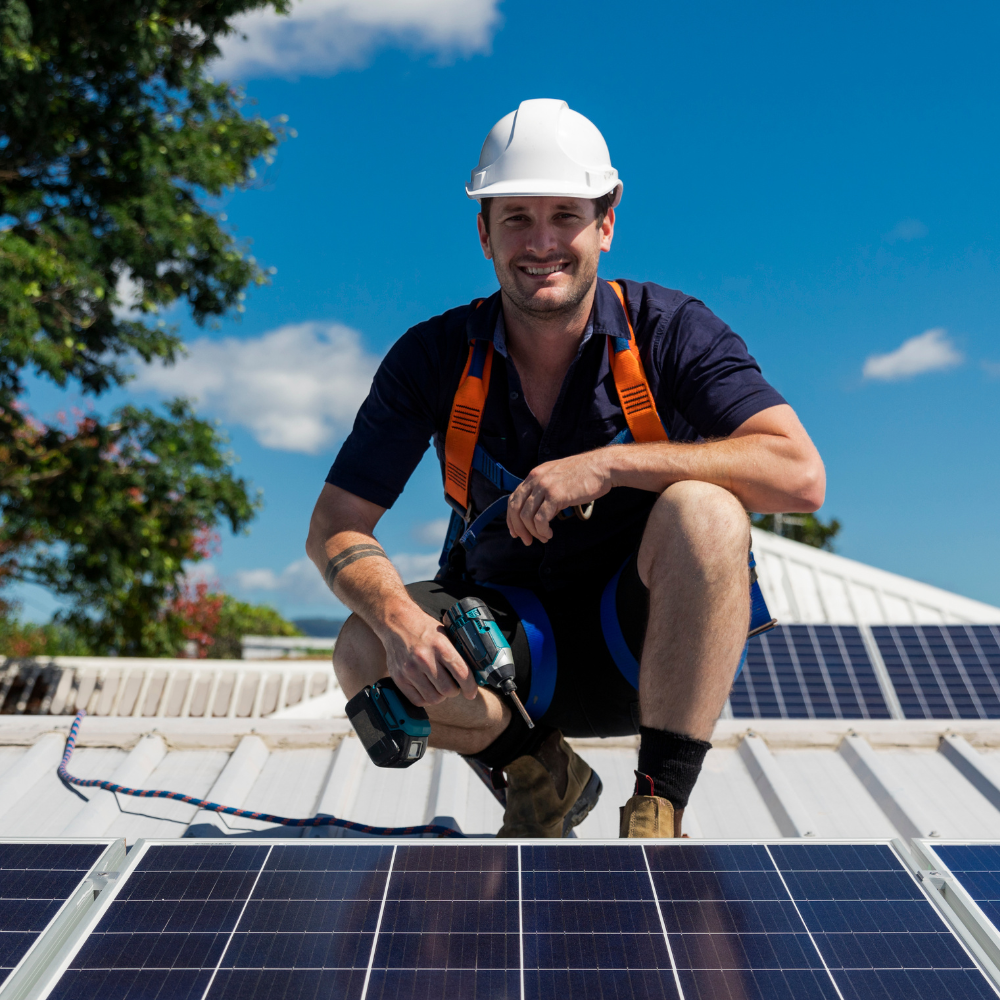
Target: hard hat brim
542, 189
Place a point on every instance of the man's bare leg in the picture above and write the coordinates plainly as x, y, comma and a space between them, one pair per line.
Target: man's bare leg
466, 727
693, 559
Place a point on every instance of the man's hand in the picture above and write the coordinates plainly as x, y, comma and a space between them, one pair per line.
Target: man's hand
553, 487
424, 664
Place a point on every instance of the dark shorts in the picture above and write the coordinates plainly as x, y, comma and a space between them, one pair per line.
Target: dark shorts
576, 652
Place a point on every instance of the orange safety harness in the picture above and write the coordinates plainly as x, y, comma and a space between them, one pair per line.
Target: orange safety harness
467, 409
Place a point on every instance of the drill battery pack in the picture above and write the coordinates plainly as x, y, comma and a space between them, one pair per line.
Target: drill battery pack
391, 728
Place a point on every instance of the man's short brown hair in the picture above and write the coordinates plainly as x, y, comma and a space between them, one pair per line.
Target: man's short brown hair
601, 206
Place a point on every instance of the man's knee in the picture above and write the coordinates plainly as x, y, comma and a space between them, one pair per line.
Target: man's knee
358, 656
704, 519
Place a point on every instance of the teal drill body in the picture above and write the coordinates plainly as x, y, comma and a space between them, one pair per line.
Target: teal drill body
476, 635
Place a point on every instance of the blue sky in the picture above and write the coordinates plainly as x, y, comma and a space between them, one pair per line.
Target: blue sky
822, 176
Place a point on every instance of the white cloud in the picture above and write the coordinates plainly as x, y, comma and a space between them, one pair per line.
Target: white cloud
128, 291
431, 532
906, 230
931, 351
323, 36
299, 582
296, 388
415, 566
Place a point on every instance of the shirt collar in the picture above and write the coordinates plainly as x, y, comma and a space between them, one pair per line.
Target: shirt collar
500, 333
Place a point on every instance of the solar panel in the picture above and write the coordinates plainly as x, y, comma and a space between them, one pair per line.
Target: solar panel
808, 672
977, 869
36, 880
666, 920
943, 671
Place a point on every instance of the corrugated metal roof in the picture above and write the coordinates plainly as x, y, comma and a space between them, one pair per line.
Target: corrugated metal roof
785, 777
809, 586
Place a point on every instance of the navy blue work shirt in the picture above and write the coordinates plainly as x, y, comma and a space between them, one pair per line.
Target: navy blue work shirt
704, 381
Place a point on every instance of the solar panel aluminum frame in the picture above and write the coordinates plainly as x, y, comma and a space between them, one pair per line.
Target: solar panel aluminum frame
60, 937
908, 862
978, 932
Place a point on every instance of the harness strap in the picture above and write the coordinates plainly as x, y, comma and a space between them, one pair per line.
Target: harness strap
630, 381
463, 424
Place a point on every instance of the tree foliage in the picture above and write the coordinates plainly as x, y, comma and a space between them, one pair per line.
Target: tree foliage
805, 528
216, 623
113, 141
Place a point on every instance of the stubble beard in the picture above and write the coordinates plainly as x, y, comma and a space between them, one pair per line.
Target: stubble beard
586, 273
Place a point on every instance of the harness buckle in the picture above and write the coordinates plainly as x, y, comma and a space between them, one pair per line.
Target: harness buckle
464, 513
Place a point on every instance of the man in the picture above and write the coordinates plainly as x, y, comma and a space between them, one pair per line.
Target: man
634, 620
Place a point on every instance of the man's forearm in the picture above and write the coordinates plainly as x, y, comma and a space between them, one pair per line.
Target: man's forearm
764, 471
359, 573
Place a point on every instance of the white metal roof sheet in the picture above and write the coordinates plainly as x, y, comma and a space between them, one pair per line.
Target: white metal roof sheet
806, 585
826, 778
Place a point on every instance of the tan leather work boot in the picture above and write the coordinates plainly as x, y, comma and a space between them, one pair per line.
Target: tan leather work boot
548, 792
650, 816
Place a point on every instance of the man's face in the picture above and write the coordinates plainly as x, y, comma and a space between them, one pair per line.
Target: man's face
545, 250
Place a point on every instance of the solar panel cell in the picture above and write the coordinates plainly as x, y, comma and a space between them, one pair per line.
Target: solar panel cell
943, 672
915, 960
35, 881
554, 921
808, 671
473, 941
591, 923
977, 868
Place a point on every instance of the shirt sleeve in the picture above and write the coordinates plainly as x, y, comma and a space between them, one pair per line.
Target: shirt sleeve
707, 374
394, 425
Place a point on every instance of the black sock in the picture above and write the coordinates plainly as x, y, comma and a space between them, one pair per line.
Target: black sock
517, 740
669, 764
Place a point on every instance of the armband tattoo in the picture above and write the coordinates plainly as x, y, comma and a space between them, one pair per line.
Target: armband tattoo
350, 555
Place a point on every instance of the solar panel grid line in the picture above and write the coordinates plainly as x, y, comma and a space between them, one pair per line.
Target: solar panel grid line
585, 900
232, 933
963, 671
804, 924
939, 677
746, 676
520, 920
972, 901
779, 697
985, 666
915, 685
378, 925
45, 893
852, 674
663, 925
793, 654
824, 671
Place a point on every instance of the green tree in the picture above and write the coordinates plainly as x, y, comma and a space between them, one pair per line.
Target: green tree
805, 528
216, 623
113, 143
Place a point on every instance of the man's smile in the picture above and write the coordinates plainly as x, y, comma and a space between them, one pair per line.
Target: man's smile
543, 270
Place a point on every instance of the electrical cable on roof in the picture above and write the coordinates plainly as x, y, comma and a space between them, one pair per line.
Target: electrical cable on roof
147, 793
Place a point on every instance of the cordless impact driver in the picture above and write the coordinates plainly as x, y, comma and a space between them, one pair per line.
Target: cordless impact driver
392, 729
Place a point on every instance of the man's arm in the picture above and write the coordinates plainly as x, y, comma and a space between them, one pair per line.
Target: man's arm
419, 655
769, 464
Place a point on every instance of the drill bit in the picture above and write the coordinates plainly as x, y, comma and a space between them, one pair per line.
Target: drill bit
512, 691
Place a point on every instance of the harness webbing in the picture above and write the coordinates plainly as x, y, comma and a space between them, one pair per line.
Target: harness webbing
461, 454
463, 424
630, 381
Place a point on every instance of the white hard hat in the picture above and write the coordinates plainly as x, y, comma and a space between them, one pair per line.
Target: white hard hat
544, 148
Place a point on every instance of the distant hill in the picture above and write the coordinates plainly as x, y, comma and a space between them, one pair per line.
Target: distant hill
319, 628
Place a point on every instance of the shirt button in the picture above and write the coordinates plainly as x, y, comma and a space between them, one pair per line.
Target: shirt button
545, 449
513, 395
